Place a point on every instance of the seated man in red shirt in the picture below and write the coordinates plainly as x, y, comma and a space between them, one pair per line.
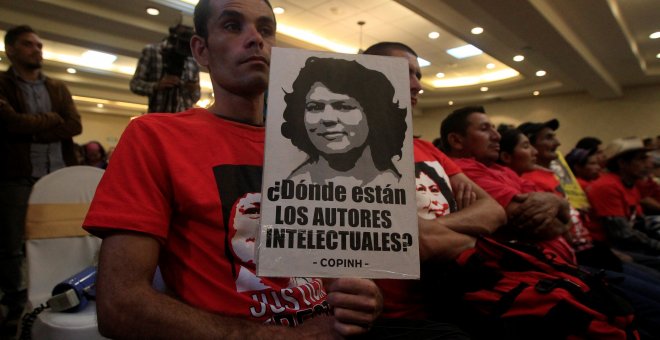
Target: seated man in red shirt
615, 200
182, 186
468, 136
452, 210
543, 138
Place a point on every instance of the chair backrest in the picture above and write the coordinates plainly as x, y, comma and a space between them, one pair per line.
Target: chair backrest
56, 245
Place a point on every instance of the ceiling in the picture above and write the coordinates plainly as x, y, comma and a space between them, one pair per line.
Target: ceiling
600, 47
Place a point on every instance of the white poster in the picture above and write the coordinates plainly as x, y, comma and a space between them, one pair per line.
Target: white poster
338, 196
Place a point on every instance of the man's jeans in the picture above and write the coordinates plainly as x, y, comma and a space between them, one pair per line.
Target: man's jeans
14, 195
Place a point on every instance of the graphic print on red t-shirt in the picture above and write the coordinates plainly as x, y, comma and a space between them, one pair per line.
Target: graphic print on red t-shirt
433, 193
287, 301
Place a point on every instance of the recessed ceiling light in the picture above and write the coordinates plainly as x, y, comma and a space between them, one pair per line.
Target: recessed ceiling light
152, 11
477, 30
440, 75
657, 56
540, 73
434, 35
490, 66
100, 106
464, 51
423, 62
536, 93
98, 58
483, 89
519, 58
655, 35
421, 91
451, 102
71, 70
278, 10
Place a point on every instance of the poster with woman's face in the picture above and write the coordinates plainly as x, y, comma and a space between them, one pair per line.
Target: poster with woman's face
339, 181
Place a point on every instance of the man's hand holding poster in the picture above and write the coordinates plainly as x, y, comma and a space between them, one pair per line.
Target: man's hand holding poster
339, 181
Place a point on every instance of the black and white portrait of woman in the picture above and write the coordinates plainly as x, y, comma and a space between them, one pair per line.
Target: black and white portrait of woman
345, 117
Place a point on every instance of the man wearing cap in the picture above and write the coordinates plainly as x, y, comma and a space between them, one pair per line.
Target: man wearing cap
615, 199
468, 136
543, 137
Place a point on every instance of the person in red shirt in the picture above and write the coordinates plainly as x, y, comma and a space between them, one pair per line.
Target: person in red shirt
585, 165
181, 194
543, 138
517, 153
615, 200
468, 136
452, 210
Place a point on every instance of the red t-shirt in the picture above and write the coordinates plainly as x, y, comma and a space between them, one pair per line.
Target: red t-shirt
503, 184
610, 198
545, 180
192, 181
648, 188
404, 298
584, 183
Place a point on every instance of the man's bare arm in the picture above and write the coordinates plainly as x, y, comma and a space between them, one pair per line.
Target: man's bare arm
538, 215
128, 306
439, 243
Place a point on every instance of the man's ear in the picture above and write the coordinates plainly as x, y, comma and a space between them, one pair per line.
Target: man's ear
199, 50
455, 141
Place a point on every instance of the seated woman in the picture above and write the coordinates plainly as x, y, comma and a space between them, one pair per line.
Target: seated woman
345, 118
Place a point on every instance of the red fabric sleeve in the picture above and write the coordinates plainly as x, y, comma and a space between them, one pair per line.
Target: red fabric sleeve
135, 192
494, 184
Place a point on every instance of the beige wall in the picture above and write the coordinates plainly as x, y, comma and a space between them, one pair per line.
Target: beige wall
105, 129
637, 113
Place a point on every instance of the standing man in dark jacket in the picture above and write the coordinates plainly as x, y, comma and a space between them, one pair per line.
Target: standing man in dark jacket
37, 120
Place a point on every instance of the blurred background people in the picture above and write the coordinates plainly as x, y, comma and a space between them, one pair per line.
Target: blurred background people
37, 120
95, 155
168, 74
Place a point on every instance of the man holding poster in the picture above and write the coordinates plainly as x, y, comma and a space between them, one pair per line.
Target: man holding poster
452, 211
182, 193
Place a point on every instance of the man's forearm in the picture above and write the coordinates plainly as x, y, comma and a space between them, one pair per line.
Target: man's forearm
128, 306
439, 243
149, 314
623, 235
483, 217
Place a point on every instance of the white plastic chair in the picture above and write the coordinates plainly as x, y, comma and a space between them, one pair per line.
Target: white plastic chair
57, 248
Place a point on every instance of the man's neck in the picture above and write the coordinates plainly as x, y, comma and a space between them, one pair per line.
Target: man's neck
29, 74
238, 108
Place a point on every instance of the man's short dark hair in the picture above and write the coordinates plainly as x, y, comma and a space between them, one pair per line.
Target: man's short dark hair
588, 143
202, 15
382, 48
457, 122
14, 32
374, 92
